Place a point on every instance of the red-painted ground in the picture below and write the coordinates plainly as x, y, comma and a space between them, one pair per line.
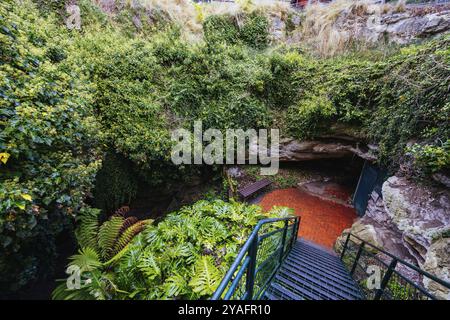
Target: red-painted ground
322, 221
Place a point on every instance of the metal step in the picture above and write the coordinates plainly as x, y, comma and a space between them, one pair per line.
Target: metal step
339, 280
303, 251
305, 257
300, 289
323, 287
283, 293
313, 273
302, 243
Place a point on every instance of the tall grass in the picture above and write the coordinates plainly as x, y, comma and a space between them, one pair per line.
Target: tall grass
189, 15
332, 28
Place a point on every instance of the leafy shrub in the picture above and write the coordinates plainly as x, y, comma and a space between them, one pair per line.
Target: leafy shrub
220, 28
291, 76
225, 29
47, 142
431, 158
414, 101
185, 255
311, 117
255, 31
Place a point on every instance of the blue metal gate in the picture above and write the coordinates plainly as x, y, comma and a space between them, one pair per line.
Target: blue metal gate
372, 178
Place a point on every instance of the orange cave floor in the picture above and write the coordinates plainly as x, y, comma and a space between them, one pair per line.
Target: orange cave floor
322, 221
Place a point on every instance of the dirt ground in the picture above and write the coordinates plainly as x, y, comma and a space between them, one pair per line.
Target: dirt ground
322, 221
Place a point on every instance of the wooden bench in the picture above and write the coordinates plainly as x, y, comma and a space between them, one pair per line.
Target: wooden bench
251, 189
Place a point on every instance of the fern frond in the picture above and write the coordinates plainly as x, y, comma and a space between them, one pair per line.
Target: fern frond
128, 222
206, 276
61, 292
87, 259
107, 235
128, 234
86, 232
149, 266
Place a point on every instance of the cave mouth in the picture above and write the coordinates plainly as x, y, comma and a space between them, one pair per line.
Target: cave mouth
320, 192
334, 179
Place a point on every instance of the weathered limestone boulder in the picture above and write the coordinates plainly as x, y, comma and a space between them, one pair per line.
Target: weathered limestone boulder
411, 221
421, 213
294, 150
362, 230
437, 262
404, 26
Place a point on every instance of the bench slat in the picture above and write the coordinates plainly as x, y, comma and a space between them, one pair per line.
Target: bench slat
254, 187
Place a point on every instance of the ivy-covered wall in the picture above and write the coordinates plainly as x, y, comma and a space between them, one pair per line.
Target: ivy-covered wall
70, 98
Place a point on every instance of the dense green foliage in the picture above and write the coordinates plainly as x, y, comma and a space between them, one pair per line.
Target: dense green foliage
70, 98
47, 141
414, 104
253, 31
184, 256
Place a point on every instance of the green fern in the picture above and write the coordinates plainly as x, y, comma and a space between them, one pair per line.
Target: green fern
107, 235
87, 259
149, 266
127, 232
207, 276
87, 230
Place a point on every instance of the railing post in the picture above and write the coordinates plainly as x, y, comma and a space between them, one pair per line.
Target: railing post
283, 240
251, 268
295, 230
358, 255
386, 278
345, 246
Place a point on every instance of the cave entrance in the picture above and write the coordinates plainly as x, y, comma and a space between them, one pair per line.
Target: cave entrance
332, 179
320, 191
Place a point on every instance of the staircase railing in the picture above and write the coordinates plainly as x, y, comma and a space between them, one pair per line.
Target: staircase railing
383, 276
259, 259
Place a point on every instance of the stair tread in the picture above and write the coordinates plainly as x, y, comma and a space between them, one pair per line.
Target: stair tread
314, 273
325, 288
305, 257
314, 246
343, 274
349, 283
300, 289
322, 256
291, 295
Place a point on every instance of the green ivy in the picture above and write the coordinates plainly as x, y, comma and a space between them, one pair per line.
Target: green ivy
48, 143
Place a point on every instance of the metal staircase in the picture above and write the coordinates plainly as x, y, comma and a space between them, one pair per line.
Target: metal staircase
274, 265
312, 273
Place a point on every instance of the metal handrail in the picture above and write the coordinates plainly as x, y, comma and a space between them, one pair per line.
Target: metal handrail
248, 254
391, 267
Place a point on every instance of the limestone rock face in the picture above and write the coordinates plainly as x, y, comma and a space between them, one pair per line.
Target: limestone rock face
411, 221
419, 212
398, 27
437, 262
294, 150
